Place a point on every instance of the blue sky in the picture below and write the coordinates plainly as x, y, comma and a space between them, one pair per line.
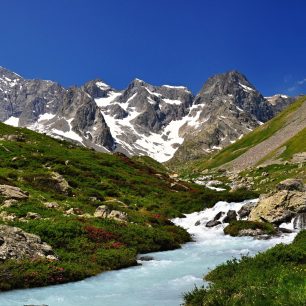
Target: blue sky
178, 42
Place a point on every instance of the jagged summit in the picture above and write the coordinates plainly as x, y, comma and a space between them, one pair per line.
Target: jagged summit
159, 121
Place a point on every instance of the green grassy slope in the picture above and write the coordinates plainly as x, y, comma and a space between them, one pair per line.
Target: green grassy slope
253, 138
275, 277
86, 245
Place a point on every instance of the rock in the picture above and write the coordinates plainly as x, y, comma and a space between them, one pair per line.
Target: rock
5, 216
13, 137
146, 258
9, 203
102, 211
197, 223
179, 187
18, 244
117, 215
279, 206
212, 223
74, 211
291, 184
285, 230
299, 221
51, 205
251, 232
13, 192
32, 215
218, 215
60, 183
245, 210
230, 216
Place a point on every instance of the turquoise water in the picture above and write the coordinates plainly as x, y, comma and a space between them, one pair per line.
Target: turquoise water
159, 282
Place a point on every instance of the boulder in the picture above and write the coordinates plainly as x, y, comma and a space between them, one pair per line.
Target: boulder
146, 258
13, 192
5, 216
251, 232
230, 216
245, 210
60, 182
117, 215
278, 207
32, 215
18, 244
291, 184
102, 211
197, 223
74, 211
285, 230
218, 215
51, 205
212, 223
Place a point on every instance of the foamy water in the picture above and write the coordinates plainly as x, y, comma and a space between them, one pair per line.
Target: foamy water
159, 282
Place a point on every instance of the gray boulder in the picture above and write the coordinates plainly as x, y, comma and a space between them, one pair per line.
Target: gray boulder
230, 216
18, 244
212, 223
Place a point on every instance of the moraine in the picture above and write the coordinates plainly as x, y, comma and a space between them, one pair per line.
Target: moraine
159, 282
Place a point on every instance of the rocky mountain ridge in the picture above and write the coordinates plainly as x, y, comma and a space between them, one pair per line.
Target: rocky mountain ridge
158, 121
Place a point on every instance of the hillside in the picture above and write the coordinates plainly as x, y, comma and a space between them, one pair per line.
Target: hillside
92, 211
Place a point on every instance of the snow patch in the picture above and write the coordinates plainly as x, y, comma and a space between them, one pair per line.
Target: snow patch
13, 121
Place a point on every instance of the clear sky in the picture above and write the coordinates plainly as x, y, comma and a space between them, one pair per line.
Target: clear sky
176, 42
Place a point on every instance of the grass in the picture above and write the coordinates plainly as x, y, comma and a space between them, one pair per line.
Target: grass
140, 187
275, 277
253, 138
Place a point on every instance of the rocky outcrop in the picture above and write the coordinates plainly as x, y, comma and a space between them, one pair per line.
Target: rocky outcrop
104, 212
291, 184
60, 182
18, 244
13, 192
281, 205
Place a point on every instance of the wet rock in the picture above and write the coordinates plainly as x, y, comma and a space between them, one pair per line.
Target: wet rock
146, 258
245, 210
251, 232
13, 192
212, 223
197, 223
285, 230
18, 244
299, 221
230, 216
218, 215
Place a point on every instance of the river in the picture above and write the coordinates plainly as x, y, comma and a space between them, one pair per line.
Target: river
159, 282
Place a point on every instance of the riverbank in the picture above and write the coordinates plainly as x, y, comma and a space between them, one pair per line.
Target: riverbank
159, 282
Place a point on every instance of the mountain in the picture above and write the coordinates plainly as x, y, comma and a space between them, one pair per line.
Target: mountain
269, 154
164, 122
